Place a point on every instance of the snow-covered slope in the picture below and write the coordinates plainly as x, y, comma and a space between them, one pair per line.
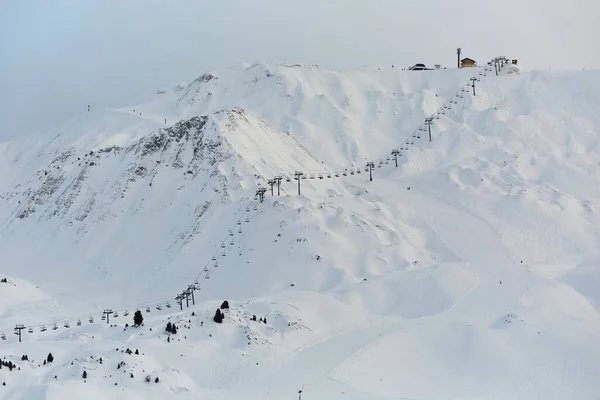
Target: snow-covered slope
468, 272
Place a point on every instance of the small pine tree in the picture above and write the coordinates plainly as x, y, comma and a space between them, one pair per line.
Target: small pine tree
265, 320
148, 378
224, 305
156, 380
137, 353
253, 318
169, 327
84, 376
174, 329
218, 318
138, 319
50, 358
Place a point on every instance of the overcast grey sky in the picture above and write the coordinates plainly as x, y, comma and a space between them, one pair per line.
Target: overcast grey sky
57, 56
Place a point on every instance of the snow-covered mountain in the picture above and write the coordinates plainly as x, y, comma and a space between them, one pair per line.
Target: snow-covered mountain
468, 271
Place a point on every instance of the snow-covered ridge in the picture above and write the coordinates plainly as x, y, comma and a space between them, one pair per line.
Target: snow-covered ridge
471, 263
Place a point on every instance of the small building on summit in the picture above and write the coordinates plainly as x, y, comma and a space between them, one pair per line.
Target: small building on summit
418, 67
468, 63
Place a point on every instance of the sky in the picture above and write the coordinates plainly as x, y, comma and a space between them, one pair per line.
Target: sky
58, 56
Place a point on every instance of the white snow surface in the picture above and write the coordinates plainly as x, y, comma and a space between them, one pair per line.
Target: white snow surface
470, 271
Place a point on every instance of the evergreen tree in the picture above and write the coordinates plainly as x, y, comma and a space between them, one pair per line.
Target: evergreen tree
218, 318
50, 358
224, 305
138, 319
84, 376
169, 327
156, 380
174, 329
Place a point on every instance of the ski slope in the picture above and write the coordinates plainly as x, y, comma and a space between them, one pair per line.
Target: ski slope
467, 272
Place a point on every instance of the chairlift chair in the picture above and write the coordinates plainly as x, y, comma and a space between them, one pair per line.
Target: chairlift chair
223, 253
148, 309
345, 173
55, 327
207, 276
91, 320
337, 174
247, 209
247, 219
240, 230
66, 325
358, 171
216, 264
320, 176
231, 242
196, 282
205, 269
328, 175
411, 142
351, 172
239, 222
158, 307
78, 322
312, 176
168, 305
230, 233
43, 328
255, 207
126, 313
367, 169
304, 176
30, 330
288, 179
103, 317
387, 161
3, 336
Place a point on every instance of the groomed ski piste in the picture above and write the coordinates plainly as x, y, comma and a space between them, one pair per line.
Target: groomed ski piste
465, 269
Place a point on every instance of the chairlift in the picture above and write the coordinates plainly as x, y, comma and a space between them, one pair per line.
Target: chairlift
78, 322
30, 330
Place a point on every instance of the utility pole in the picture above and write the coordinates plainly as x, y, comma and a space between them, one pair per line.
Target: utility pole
178, 300
278, 180
396, 153
298, 176
429, 121
473, 79
271, 183
458, 51
107, 312
371, 166
18, 329
261, 192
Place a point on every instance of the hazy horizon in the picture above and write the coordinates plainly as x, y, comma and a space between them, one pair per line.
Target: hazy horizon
55, 58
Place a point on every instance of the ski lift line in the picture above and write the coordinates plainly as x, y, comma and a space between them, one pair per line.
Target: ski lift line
249, 207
